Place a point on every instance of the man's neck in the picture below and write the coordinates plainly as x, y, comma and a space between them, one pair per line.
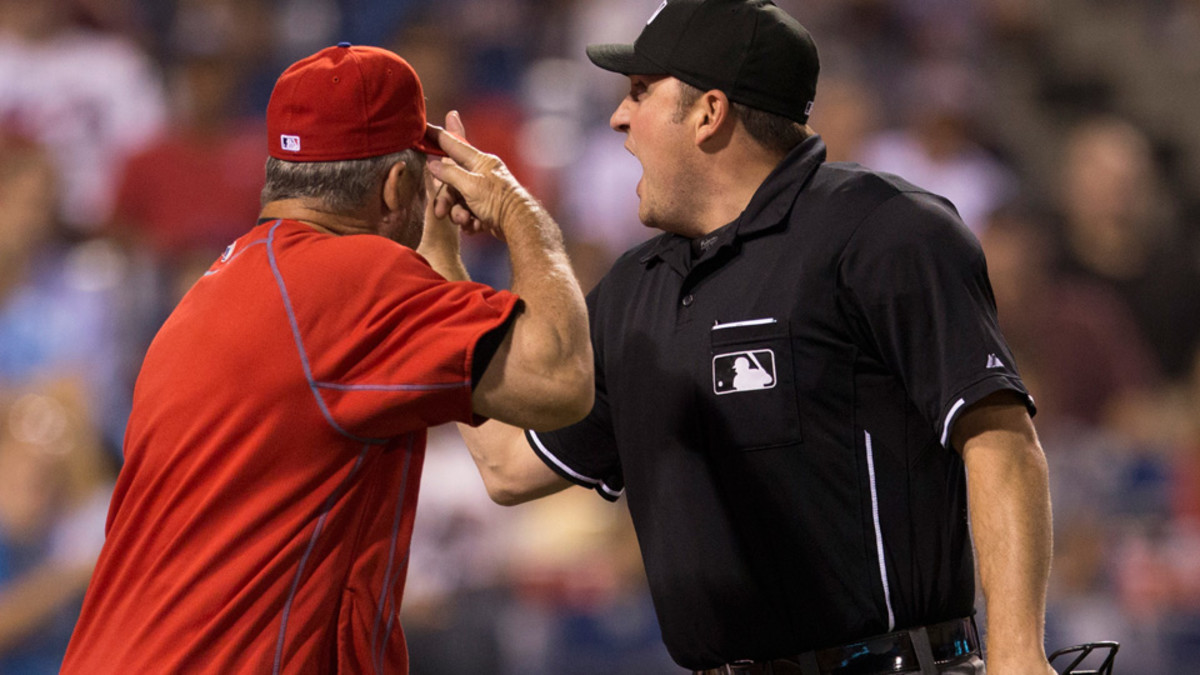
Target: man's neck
728, 195
312, 214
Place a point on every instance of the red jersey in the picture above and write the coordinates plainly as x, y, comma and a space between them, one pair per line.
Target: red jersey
262, 519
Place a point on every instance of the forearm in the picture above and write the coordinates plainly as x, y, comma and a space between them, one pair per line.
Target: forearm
542, 275
551, 336
1011, 521
538, 256
541, 376
449, 265
511, 472
440, 245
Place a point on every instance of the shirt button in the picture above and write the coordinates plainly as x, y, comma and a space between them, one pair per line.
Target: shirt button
688, 300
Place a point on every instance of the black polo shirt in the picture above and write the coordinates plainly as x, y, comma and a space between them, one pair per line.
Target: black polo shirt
776, 399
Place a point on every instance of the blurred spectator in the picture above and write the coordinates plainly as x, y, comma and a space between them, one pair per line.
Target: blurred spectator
1186, 488
372, 22
941, 28
1013, 23
1076, 340
455, 586
91, 98
554, 587
304, 26
846, 116
1118, 229
54, 489
195, 188
580, 605
485, 96
938, 147
63, 307
599, 186
600, 205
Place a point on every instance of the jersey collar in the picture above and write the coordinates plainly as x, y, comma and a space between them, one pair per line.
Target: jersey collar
768, 207
773, 200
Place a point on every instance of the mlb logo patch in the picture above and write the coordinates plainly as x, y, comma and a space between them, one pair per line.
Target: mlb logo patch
743, 371
290, 143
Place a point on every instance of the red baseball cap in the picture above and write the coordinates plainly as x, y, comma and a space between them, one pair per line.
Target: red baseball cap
347, 102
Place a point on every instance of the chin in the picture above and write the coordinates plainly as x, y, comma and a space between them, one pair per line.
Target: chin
648, 215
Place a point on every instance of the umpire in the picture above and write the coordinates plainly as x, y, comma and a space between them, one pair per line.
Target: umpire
801, 387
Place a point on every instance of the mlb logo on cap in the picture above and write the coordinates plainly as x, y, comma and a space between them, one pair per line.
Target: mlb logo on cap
347, 102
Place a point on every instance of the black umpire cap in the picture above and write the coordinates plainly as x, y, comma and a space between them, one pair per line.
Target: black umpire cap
750, 49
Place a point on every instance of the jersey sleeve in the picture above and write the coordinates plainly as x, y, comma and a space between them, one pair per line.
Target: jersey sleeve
916, 287
585, 453
391, 343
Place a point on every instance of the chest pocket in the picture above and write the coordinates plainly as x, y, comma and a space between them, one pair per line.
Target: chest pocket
751, 399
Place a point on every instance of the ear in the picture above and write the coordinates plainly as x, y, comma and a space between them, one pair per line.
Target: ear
395, 188
715, 117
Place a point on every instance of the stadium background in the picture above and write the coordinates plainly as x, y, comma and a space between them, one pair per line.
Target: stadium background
131, 150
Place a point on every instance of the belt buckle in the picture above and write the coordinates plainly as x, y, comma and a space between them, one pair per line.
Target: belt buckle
888, 653
897, 652
954, 639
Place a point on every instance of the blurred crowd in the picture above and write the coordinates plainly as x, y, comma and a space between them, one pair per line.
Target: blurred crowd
131, 153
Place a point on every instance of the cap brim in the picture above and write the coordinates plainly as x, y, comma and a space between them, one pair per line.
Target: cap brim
622, 59
428, 144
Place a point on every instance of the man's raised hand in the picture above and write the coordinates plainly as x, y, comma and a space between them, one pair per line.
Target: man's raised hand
479, 190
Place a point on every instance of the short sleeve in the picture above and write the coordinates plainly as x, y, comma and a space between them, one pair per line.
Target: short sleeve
914, 281
585, 453
390, 343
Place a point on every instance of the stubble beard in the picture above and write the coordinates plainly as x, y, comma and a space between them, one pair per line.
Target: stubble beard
672, 209
410, 232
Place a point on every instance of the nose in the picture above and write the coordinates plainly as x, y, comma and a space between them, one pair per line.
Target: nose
619, 121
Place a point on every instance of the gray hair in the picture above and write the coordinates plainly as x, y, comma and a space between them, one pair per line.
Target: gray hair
775, 132
342, 186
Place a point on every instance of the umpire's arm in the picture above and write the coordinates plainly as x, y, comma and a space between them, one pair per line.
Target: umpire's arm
511, 471
1009, 500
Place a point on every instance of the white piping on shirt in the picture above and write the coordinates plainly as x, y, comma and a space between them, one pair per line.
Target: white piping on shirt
883, 576
950, 418
571, 472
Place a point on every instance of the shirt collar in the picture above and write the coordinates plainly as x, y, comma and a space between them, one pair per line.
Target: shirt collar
773, 200
768, 207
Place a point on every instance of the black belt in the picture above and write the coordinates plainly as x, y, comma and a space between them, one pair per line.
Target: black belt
918, 650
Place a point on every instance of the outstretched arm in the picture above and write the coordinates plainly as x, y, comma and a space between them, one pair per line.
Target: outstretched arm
1009, 501
511, 472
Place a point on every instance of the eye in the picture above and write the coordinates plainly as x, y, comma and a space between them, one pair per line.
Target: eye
636, 91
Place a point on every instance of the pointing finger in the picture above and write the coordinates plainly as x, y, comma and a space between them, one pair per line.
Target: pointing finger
454, 125
451, 174
459, 150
